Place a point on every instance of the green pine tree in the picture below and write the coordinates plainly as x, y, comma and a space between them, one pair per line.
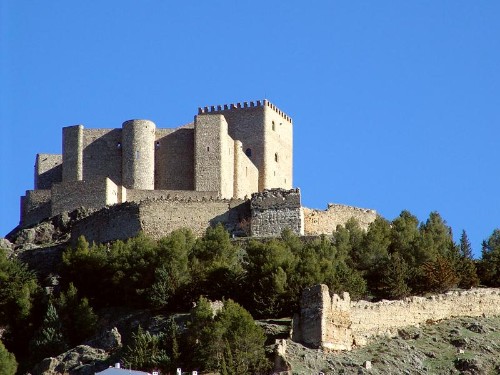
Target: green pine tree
49, 340
8, 364
395, 280
465, 246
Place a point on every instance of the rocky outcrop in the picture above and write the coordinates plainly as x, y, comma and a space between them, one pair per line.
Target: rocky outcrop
84, 359
49, 232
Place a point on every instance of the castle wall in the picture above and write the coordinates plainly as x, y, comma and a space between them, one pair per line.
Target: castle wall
387, 316
272, 211
174, 158
159, 218
92, 194
102, 154
246, 174
323, 317
48, 170
112, 223
278, 148
72, 156
134, 195
338, 323
35, 206
318, 222
214, 155
138, 154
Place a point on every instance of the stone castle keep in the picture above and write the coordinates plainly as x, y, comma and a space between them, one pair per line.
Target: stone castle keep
232, 164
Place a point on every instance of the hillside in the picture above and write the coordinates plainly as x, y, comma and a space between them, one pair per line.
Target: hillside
455, 346
87, 305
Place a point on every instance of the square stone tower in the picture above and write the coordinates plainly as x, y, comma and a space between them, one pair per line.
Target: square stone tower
263, 133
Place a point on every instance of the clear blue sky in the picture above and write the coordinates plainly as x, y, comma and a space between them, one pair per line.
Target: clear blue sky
396, 105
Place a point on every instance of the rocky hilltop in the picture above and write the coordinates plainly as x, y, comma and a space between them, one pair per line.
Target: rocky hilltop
428, 344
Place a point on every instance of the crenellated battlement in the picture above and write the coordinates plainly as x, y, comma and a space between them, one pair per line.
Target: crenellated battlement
243, 105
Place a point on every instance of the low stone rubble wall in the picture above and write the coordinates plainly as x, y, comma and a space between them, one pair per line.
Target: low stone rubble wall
337, 323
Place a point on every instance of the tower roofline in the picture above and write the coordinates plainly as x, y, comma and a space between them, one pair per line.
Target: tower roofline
242, 105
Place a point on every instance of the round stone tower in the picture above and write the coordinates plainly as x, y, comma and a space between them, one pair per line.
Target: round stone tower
138, 154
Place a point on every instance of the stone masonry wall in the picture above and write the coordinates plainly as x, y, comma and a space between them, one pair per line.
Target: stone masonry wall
272, 211
246, 174
102, 154
92, 194
48, 169
35, 206
246, 124
211, 155
72, 153
174, 158
265, 131
157, 218
336, 323
318, 222
387, 316
278, 148
112, 223
134, 195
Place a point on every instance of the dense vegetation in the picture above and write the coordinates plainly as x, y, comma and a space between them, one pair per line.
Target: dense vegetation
262, 277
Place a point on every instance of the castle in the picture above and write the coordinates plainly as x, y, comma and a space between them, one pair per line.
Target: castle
232, 164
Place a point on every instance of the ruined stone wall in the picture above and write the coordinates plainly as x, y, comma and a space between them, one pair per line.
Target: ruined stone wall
318, 222
48, 170
272, 211
322, 318
174, 158
337, 323
102, 154
384, 318
35, 206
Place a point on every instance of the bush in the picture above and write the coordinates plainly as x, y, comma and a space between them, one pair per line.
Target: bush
8, 364
229, 342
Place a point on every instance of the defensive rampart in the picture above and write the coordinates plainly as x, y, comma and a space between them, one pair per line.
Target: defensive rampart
159, 217
275, 210
337, 323
318, 222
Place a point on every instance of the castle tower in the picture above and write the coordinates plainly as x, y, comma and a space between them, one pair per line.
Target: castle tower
72, 158
138, 154
214, 156
266, 136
